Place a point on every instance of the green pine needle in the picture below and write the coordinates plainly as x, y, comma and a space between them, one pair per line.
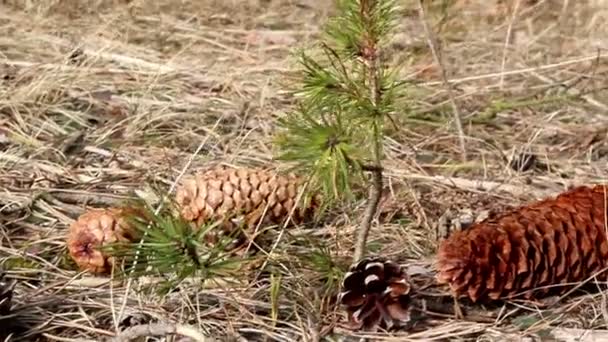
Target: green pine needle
330, 272
329, 84
349, 30
173, 249
323, 150
344, 100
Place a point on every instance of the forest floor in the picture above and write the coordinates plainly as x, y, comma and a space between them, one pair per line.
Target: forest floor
103, 100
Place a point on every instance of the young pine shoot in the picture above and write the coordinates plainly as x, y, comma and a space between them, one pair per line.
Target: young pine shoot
345, 97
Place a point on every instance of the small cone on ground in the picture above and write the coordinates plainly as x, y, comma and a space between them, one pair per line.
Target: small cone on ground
97, 228
242, 198
532, 251
376, 294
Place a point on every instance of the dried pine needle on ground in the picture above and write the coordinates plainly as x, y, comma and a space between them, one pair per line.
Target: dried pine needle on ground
99, 98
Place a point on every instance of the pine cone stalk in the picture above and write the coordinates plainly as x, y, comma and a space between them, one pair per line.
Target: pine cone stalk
242, 198
376, 294
97, 228
533, 250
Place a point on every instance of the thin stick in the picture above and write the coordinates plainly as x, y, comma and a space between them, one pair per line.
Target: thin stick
444, 77
479, 185
506, 45
595, 57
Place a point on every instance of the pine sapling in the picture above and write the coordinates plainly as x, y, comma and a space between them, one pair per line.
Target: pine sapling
345, 97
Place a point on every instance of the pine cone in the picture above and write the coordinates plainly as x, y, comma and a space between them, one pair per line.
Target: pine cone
241, 196
96, 228
376, 293
551, 242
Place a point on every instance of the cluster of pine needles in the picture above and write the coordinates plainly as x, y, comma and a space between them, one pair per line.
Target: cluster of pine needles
171, 248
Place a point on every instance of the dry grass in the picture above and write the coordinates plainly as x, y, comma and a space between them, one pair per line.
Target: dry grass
103, 100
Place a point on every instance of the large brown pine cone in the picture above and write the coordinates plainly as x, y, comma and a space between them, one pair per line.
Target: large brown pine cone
527, 250
376, 293
96, 228
241, 198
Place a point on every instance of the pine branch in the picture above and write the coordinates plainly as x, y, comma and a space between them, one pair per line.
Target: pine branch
370, 52
346, 95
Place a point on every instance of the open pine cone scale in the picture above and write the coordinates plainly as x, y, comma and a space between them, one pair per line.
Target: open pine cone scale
242, 199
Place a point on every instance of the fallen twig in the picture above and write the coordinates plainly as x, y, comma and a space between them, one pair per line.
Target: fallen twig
579, 335
482, 185
161, 329
521, 71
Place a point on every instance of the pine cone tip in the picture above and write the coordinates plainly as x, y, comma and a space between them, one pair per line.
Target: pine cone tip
94, 229
376, 293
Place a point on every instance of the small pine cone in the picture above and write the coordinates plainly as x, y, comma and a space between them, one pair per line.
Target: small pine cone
241, 196
376, 293
96, 228
533, 249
